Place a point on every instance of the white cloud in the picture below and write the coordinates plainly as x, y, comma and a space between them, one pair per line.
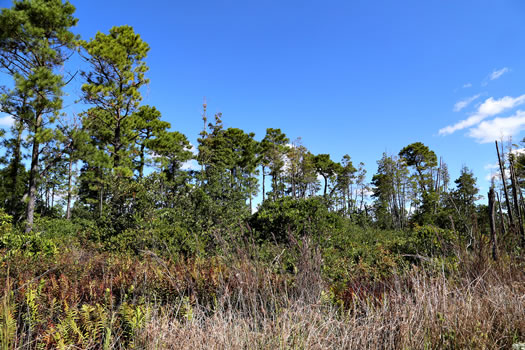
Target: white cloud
491, 166
489, 108
518, 151
494, 169
191, 164
367, 192
6, 120
497, 128
465, 102
193, 149
496, 175
467, 85
498, 73
492, 107
491, 176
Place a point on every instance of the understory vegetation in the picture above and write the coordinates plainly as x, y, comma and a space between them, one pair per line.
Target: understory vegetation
349, 287
117, 233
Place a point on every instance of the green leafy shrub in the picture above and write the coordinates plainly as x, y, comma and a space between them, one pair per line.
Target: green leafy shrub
432, 241
275, 220
353, 250
5, 222
30, 244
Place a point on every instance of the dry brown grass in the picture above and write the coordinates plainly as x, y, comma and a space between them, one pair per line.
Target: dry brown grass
421, 311
240, 303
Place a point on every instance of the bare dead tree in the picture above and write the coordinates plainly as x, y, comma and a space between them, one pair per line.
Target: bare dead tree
492, 219
505, 191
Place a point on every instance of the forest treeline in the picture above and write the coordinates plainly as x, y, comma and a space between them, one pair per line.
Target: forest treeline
131, 165
105, 230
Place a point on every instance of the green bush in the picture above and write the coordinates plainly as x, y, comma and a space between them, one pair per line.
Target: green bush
276, 220
5, 222
432, 241
28, 244
354, 250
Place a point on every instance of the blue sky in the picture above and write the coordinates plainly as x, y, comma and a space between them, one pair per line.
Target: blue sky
356, 77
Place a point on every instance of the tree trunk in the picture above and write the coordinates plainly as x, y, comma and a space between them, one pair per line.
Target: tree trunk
325, 185
69, 180
142, 161
15, 171
502, 170
452, 226
522, 203
33, 177
501, 218
101, 198
293, 185
514, 183
46, 195
263, 180
492, 224
437, 187
274, 186
117, 145
421, 180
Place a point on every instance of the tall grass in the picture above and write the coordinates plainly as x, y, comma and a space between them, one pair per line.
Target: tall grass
419, 311
91, 300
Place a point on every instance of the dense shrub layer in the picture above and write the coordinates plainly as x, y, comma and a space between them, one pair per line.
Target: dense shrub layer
349, 288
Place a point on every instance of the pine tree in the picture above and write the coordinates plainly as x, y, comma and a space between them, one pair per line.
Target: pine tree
147, 128
423, 160
273, 151
34, 41
112, 87
14, 176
